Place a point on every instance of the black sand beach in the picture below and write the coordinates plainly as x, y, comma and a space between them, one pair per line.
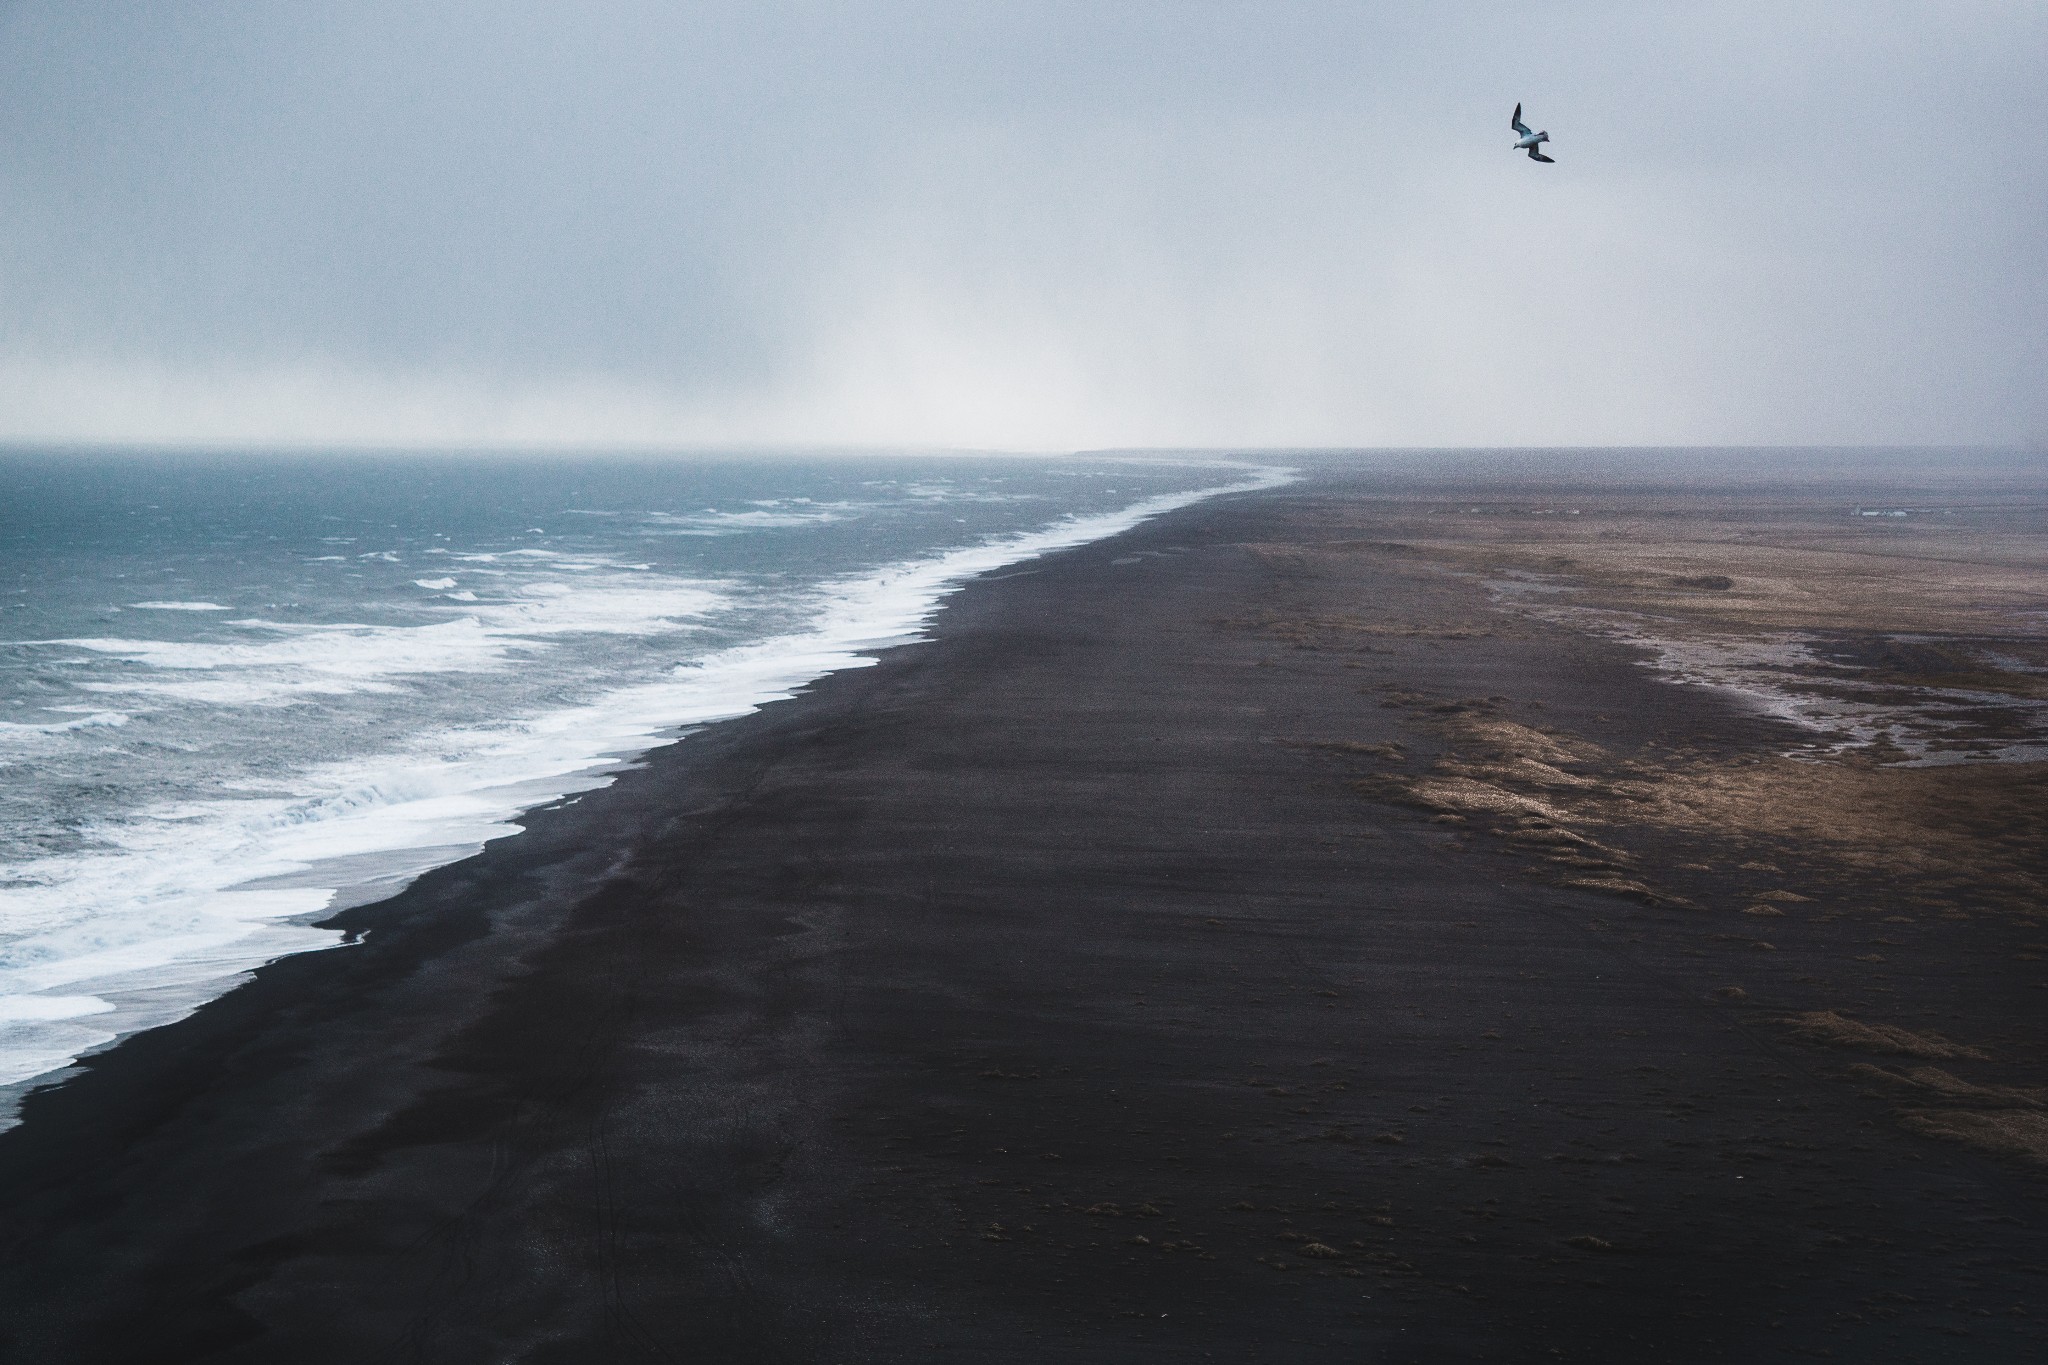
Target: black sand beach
1103, 980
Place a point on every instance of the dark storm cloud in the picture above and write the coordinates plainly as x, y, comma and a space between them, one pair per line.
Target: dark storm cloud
1022, 224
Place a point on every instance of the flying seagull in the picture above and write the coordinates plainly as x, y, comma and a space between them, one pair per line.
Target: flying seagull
1526, 141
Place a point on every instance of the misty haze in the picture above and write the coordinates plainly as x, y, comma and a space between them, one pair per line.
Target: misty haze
1021, 225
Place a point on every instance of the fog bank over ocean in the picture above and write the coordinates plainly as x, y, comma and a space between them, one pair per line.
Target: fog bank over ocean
1024, 224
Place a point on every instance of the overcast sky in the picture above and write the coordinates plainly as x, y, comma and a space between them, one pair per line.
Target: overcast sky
1023, 225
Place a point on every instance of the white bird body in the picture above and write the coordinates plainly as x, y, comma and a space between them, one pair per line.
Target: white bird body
1526, 141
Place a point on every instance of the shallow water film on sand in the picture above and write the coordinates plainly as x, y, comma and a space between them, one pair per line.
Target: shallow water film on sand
238, 691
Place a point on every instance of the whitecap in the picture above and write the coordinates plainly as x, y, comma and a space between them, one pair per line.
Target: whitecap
47, 1007
712, 522
92, 721
277, 663
194, 895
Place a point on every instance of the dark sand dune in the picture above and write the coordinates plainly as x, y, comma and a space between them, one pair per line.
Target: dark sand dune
1105, 981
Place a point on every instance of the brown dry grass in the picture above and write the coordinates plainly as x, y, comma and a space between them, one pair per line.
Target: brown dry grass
1932, 1081
1793, 562
1982, 822
1982, 825
1838, 1030
2010, 1132
1893, 612
1393, 753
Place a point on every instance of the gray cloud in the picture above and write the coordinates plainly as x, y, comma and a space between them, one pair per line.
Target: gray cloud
1022, 224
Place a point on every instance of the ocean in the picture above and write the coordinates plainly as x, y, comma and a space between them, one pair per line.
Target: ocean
239, 692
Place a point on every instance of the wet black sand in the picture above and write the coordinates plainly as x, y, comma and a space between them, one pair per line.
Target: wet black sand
1042, 993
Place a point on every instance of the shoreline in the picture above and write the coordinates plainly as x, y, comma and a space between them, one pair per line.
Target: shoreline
868, 612
1071, 985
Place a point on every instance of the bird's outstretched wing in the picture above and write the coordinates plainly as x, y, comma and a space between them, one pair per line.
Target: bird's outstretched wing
1515, 122
1535, 155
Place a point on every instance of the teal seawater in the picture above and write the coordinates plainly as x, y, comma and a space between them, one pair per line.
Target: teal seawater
237, 691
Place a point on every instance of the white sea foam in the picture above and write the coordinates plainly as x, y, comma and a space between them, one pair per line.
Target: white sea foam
282, 662
92, 721
177, 606
178, 903
436, 584
767, 514
51, 1007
